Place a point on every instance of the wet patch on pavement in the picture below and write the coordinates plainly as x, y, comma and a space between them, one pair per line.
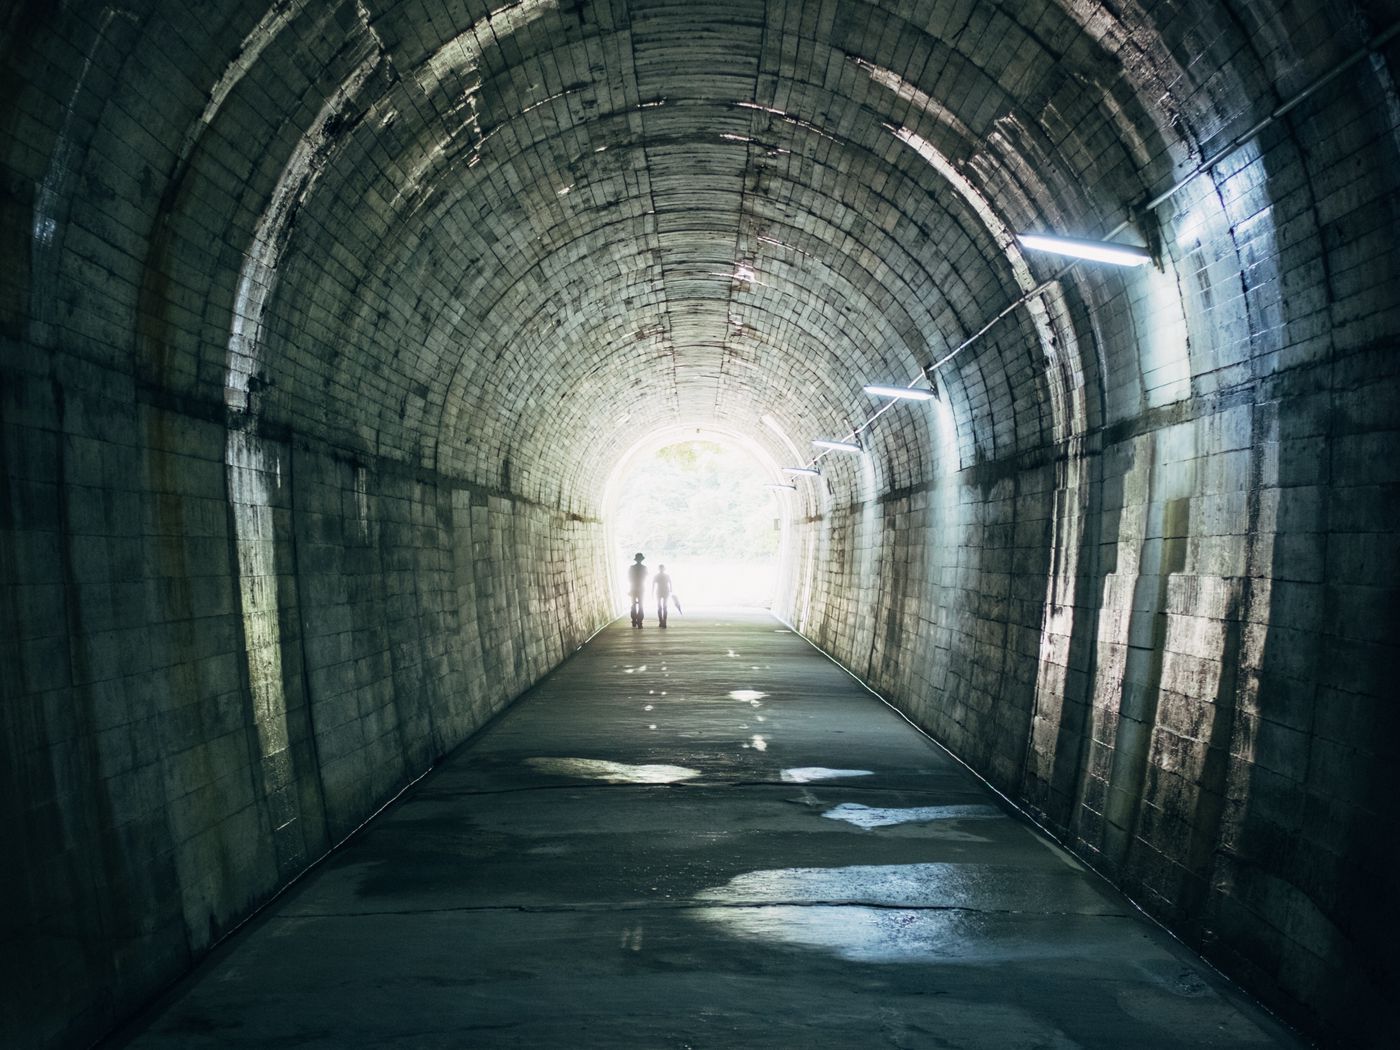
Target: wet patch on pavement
613, 772
809, 774
881, 817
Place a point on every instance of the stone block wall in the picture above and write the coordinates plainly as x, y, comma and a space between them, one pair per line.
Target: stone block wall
323, 324
1165, 625
1190, 688
1171, 640
220, 657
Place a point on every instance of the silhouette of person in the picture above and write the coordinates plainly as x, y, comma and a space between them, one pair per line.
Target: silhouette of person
636, 585
661, 584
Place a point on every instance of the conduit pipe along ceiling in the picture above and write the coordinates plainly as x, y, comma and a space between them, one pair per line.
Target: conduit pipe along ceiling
1107, 250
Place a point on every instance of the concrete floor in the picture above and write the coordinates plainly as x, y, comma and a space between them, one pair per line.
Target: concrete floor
703, 837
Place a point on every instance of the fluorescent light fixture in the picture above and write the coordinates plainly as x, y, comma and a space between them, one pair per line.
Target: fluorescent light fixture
781, 485
905, 393
1095, 251
837, 446
809, 471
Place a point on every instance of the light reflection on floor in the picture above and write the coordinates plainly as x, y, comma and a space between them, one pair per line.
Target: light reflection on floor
807, 774
860, 934
880, 817
991, 887
928, 884
613, 772
895, 912
830, 909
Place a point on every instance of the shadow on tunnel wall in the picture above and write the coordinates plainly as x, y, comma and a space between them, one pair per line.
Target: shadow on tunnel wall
1246, 807
1301, 900
1055, 799
196, 709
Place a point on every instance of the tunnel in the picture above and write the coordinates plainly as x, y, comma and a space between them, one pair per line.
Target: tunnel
328, 324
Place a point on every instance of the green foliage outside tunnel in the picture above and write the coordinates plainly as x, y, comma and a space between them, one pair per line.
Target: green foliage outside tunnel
703, 510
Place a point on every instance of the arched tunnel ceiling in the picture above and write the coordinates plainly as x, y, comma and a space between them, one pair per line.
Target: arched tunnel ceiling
326, 322
501, 243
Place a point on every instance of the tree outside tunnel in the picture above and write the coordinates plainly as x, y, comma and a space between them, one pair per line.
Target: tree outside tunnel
702, 509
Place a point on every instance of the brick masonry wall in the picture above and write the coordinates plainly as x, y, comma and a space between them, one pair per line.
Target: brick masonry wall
1170, 636
1205, 714
322, 324
172, 755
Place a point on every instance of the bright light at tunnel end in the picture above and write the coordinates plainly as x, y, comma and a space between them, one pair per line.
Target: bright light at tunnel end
1094, 251
837, 446
904, 393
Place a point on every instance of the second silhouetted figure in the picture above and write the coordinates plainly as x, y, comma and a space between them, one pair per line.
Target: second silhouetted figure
661, 584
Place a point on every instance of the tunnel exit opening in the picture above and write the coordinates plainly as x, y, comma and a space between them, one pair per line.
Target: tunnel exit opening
697, 502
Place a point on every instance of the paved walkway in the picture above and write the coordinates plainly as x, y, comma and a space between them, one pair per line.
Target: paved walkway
705, 837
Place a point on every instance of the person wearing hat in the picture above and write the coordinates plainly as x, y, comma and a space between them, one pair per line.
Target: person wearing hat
636, 587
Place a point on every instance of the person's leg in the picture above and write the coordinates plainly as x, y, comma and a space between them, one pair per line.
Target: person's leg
661, 612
